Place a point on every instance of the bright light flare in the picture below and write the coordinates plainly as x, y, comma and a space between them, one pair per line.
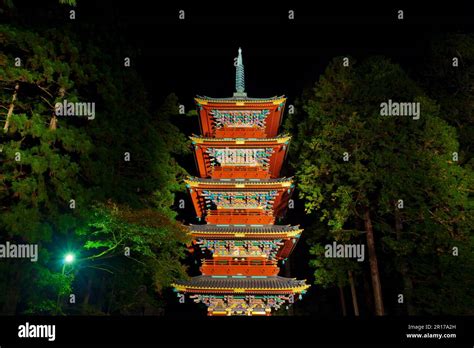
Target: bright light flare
69, 258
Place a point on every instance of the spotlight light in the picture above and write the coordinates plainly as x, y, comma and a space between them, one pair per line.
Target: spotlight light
69, 258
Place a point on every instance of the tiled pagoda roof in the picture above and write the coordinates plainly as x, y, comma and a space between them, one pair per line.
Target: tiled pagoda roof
231, 181
243, 228
283, 138
242, 231
273, 100
241, 284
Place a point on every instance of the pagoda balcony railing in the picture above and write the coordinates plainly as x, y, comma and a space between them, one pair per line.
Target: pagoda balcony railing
258, 263
242, 268
240, 172
239, 132
230, 212
239, 168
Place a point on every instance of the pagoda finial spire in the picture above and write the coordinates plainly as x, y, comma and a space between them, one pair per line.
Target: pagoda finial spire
239, 77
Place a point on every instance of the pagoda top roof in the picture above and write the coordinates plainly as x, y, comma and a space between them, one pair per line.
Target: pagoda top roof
280, 139
239, 99
241, 284
239, 231
240, 96
283, 182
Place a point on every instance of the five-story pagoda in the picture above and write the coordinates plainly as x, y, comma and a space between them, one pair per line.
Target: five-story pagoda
239, 193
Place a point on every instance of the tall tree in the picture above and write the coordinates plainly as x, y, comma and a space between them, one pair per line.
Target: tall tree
357, 168
66, 182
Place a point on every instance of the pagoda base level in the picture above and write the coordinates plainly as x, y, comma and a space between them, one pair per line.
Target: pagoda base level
240, 295
225, 314
250, 306
239, 307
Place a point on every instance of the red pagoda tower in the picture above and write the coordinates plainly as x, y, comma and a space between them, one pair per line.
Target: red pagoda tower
239, 193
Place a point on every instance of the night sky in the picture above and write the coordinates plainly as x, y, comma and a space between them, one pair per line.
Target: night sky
195, 55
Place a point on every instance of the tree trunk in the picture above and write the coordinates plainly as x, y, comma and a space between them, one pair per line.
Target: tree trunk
343, 301
374, 268
12, 295
354, 294
88, 292
369, 299
101, 294
403, 267
10, 110
53, 123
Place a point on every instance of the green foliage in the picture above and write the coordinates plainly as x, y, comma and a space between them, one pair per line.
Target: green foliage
330, 272
451, 85
68, 2
389, 159
153, 239
118, 204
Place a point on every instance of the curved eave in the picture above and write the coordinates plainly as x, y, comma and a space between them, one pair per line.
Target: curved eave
213, 183
203, 100
239, 284
204, 290
243, 235
238, 141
